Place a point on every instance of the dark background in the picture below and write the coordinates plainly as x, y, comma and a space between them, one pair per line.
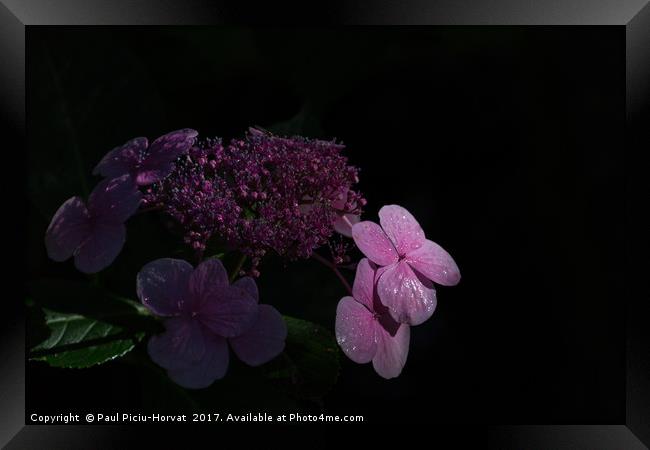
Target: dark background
505, 143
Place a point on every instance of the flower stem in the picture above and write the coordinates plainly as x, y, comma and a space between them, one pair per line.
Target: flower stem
336, 271
238, 267
346, 220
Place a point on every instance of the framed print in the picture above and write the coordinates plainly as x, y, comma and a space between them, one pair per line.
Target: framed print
407, 215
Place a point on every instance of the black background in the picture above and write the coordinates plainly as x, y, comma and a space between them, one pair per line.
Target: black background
506, 144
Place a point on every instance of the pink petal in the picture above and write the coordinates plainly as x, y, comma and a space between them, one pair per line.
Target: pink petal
355, 330
392, 351
162, 152
163, 285
435, 263
100, 248
68, 228
344, 223
341, 199
410, 298
182, 344
363, 288
211, 367
122, 159
264, 340
229, 312
114, 200
208, 280
373, 242
402, 228
248, 284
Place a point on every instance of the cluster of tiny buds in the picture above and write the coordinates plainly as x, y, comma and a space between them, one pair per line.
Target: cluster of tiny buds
261, 193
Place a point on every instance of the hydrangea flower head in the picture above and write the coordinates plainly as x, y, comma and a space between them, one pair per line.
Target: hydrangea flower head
365, 330
261, 193
146, 163
410, 263
203, 314
93, 234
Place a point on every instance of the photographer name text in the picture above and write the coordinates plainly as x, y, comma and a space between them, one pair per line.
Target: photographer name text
188, 418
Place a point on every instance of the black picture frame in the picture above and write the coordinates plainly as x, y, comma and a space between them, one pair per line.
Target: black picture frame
633, 15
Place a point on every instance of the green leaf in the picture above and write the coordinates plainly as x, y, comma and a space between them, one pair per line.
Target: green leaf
91, 301
87, 325
77, 341
309, 365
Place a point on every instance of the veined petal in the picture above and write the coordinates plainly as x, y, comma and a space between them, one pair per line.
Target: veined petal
114, 199
122, 159
392, 351
162, 152
100, 248
435, 263
163, 285
264, 340
229, 312
355, 330
212, 366
409, 297
363, 288
208, 280
373, 242
181, 345
402, 228
248, 285
69, 228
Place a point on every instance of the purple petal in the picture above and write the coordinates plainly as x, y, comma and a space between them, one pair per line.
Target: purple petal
392, 351
114, 200
146, 177
435, 263
229, 312
162, 152
248, 284
410, 297
208, 280
264, 340
163, 285
373, 242
100, 248
182, 344
363, 288
68, 228
355, 330
402, 228
122, 159
344, 223
211, 367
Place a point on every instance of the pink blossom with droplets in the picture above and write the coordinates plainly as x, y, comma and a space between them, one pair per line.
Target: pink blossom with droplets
365, 330
409, 264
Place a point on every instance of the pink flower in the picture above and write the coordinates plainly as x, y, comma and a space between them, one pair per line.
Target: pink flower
365, 329
146, 163
410, 264
94, 235
345, 220
203, 313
